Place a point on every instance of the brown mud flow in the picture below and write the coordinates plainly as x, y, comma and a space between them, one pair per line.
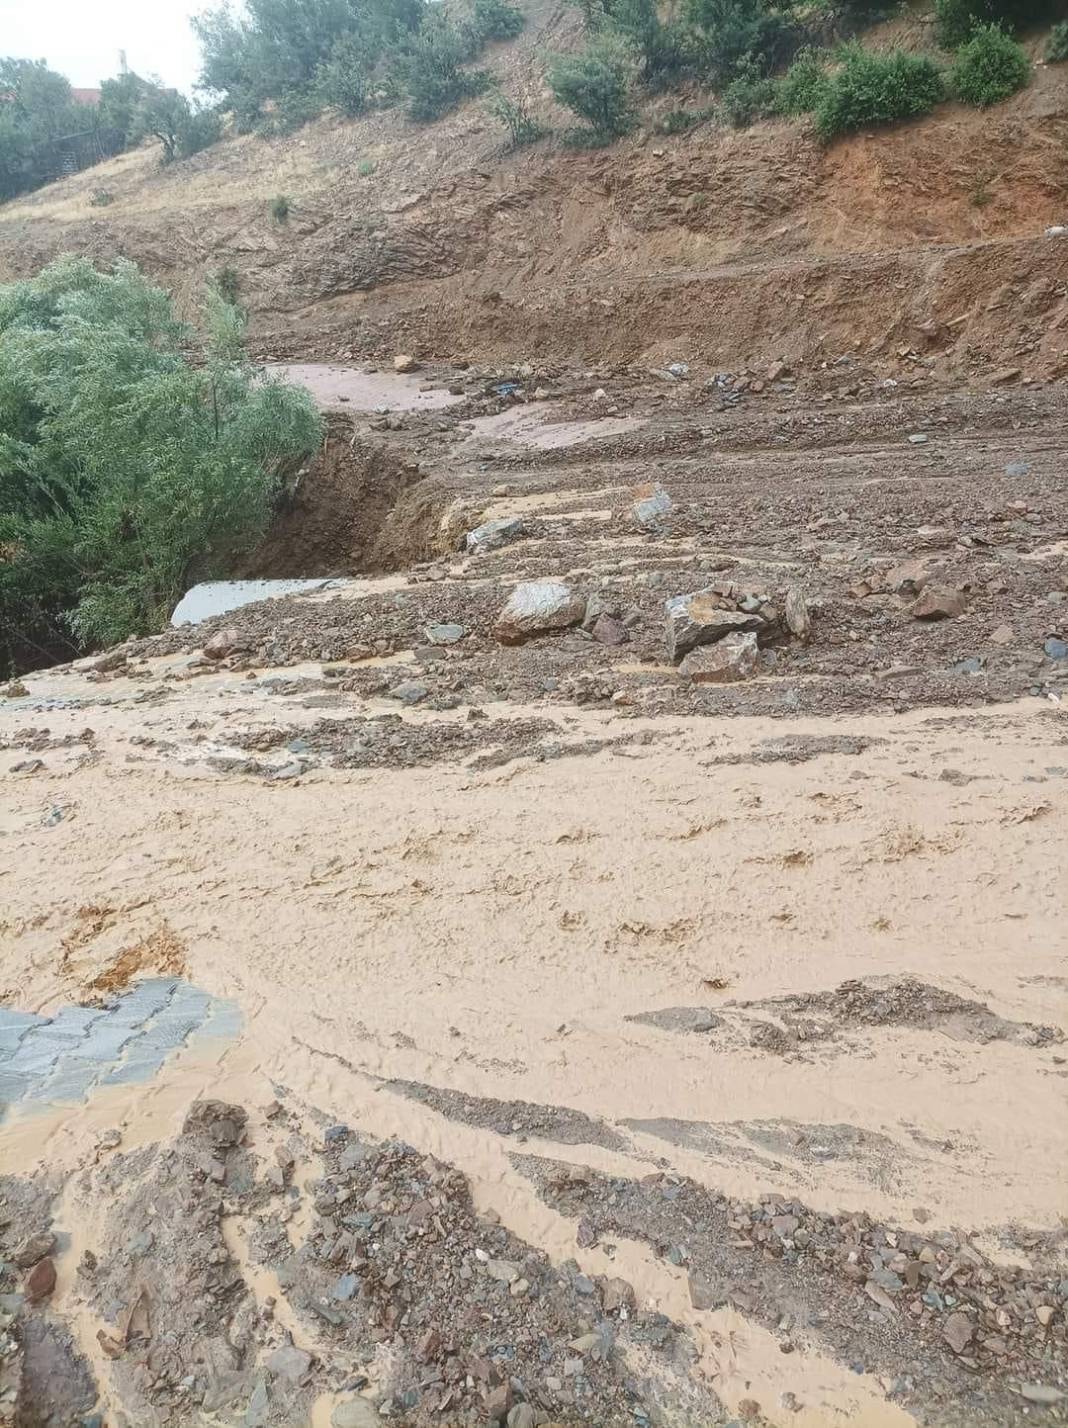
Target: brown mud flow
600, 958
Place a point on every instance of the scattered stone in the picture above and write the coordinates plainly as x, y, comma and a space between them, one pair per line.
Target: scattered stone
734, 658
27, 766
494, 534
1003, 635
907, 579
522, 1416
651, 503
702, 1294
15, 689
701, 619
958, 1332
409, 692
1004, 375
938, 603
503, 1270
224, 643
35, 1249
1041, 1393
798, 619
1055, 648
1017, 468
113, 660
404, 362
40, 1281
536, 607
918, 438
355, 1413
607, 630
289, 1362
444, 634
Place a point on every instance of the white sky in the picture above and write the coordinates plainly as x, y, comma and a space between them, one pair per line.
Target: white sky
82, 38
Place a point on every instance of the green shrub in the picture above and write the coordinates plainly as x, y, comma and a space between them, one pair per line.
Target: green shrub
228, 284
989, 67
678, 121
802, 86
733, 35
133, 458
515, 117
956, 19
749, 97
870, 88
657, 35
497, 20
1057, 46
101, 198
279, 208
365, 168
596, 85
431, 72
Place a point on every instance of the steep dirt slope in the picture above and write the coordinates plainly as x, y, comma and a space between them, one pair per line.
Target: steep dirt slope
719, 246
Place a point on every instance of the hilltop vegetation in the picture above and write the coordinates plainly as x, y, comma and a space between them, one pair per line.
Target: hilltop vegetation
128, 455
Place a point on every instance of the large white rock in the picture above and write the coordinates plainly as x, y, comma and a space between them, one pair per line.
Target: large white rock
536, 607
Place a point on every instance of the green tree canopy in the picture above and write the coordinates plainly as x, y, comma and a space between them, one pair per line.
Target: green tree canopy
130, 455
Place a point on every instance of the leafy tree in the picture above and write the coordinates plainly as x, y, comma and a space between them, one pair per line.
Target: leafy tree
120, 100
596, 85
182, 131
128, 460
870, 88
989, 67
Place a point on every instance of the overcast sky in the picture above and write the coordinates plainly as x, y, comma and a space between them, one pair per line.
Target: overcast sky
82, 38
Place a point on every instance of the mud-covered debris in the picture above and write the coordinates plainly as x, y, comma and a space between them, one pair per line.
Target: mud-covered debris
537, 607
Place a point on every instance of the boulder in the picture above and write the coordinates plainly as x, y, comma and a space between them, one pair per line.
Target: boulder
651, 504
798, 619
494, 534
537, 606
908, 578
733, 658
938, 603
444, 634
607, 630
224, 643
701, 619
403, 362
